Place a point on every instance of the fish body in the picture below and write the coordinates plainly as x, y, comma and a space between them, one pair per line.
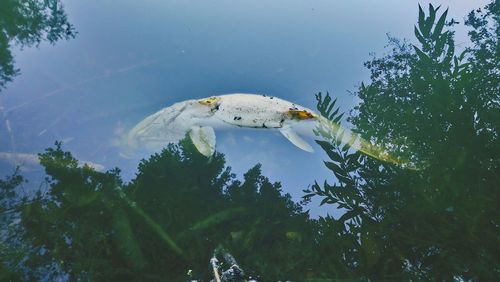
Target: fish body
256, 111
200, 117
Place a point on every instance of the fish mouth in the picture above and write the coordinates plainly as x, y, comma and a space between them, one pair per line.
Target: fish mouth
301, 114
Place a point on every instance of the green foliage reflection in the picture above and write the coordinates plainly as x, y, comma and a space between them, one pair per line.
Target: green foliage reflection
168, 220
27, 23
431, 105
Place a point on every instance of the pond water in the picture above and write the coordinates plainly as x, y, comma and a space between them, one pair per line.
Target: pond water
129, 59
133, 59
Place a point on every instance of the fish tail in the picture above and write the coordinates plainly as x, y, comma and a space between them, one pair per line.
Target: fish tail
334, 132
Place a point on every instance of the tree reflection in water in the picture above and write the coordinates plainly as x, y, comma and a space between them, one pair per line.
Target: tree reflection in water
26, 23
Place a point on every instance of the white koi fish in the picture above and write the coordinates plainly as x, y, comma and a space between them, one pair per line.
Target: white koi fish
199, 118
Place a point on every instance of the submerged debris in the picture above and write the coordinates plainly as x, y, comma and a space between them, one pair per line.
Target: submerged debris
232, 272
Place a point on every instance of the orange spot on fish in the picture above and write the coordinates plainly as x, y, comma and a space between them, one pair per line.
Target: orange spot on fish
301, 114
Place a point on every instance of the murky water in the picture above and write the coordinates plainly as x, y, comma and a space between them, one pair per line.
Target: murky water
411, 197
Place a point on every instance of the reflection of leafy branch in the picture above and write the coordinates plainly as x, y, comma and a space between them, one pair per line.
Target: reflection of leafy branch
27, 23
331, 130
430, 107
12, 249
429, 64
158, 229
343, 163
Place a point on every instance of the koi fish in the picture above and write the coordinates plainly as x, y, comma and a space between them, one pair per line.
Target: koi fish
199, 118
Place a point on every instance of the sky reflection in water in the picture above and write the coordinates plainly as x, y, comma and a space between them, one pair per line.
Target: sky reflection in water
132, 59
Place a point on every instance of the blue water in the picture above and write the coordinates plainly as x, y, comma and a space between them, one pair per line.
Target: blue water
132, 58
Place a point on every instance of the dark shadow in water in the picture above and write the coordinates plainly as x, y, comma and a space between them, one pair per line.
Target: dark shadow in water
26, 23
179, 209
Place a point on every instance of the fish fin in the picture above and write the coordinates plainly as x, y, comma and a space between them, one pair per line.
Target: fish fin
157, 130
296, 140
203, 138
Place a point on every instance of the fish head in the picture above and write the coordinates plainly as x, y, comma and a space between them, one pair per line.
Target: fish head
302, 120
211, 102
301, 114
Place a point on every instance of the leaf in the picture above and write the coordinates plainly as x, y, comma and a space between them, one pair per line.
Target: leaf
422, 55
343, 178
337, 119
431, 18
439, 47
333, 167
450, 52
350, 214
420, 37
316, 187
464, 66
331, 106
328, 148
439, 26
339, 137
330, 188
424, 24
327, 200
462, 55
308, 196
421, 18
352, 161
330, 117
431, 9
354, 157
322, 102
